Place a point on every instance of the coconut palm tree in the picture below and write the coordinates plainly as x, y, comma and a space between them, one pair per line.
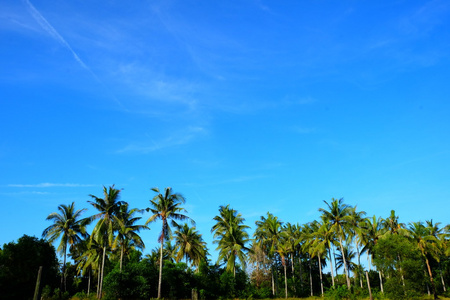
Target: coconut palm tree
426, 243
327, 239
189, 245
356, 230
127, 232
283, 249
267, 235
67, 225
166, 207
231, 238
107, 225
338, 214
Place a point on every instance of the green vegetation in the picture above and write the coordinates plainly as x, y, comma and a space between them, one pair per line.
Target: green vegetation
279, 259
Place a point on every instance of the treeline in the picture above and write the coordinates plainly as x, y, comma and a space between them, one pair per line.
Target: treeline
278, 260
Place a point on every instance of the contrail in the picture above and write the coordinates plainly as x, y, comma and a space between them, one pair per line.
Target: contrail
52, 31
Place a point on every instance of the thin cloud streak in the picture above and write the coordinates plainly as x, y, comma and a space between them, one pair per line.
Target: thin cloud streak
48, 184
52, 31
181, 139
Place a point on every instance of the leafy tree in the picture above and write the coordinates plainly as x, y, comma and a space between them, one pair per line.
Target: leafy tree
165, 207
19, 265
400, 261
69, 227
426, 243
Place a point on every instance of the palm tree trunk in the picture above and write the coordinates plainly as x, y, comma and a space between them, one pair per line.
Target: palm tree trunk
101, 275
310, 276
285, 280
63, 275
381, 282
98, 282
433, 288
442, 278
121, 257
359, 265
293, 273
345, 262
334, 256
331, 265
320, 273
368, 286
160, 268
89, 283
300, 271
273, 281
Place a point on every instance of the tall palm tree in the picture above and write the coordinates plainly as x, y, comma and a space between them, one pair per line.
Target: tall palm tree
292, 240
338, 214
425, 241
127, 232
267, 235
308, 239
356, 230
327, 239
321, 243
283, 249
166, 207
190, 245
67, 225
231, 237
107, 225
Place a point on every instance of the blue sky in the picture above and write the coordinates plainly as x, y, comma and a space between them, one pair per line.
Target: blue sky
263, 105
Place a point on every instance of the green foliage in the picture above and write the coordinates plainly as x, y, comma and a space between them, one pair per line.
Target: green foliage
19, 265
338, 293
398, 257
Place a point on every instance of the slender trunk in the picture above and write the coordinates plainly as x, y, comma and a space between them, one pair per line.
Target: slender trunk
368, 260
121, 257
293, 273
345, 262
285, 279
64, 269
368, 286
334, 256
63, 272
331, 265
38, 284
310, 276
381, 282
101, 275
89, 283
442, 279
320, 274
273, 281
98, 280
433, 288
160, 268
359, 265
300, 271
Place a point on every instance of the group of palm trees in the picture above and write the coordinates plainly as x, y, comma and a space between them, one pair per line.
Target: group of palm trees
341, 229
116, 231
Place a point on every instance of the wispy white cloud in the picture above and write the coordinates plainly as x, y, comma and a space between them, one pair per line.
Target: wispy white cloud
49, 185
181, 138
53, 33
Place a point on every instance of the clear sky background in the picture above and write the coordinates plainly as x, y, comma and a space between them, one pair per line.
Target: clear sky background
263, 105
